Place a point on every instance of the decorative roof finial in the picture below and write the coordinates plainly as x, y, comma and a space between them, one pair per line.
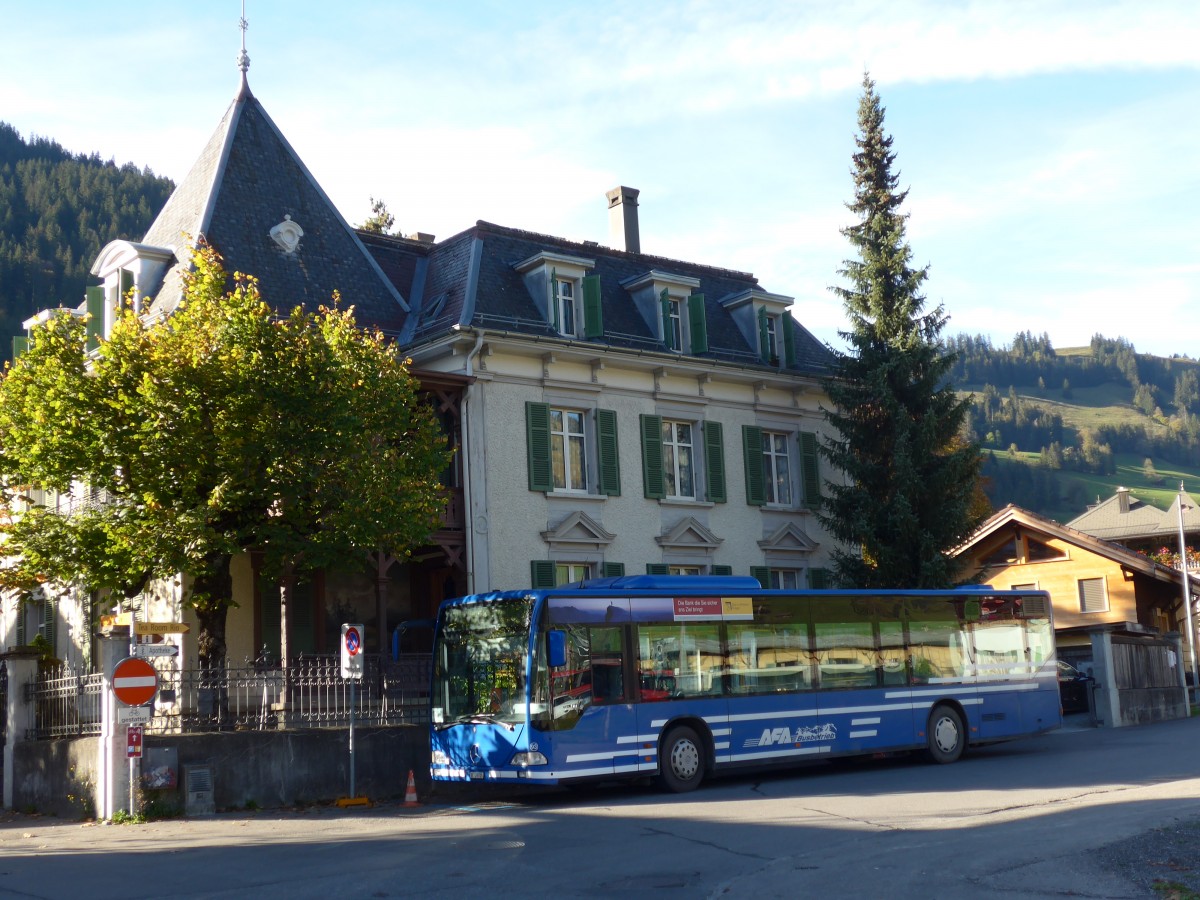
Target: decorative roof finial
243, 59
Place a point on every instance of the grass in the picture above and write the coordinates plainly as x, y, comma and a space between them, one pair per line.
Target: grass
1091, 407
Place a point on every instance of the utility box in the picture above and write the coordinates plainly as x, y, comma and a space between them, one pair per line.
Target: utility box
198, 784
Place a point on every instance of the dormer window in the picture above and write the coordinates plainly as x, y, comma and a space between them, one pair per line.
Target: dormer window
566, 294
672, 308
770, 337
673, 335
564, 306
766, 325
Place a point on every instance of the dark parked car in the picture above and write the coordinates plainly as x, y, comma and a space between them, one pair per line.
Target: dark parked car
1074, 689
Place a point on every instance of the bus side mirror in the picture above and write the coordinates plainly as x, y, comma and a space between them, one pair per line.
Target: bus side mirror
556, 648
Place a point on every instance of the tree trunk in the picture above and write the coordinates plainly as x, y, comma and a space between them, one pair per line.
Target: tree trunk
287, 584
212, 595
383, 562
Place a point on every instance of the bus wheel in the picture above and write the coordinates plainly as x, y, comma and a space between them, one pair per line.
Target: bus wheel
945, 736
681, 765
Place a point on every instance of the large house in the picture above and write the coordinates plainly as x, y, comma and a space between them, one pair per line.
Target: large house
613, 411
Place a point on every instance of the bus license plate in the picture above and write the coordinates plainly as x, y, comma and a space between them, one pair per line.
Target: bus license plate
477, 776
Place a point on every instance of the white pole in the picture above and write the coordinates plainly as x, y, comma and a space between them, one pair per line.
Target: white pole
1187, 591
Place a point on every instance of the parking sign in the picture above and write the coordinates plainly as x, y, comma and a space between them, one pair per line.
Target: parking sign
352, 651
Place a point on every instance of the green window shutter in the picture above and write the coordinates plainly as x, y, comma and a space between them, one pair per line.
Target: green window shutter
722, 570
607, 452
818, 579
763, 574
714, 462
668, 332
553, 317
95, 308
613, 570
50, 624
20, 625
764, 346
126, 283
789, 340
752, 455
593, 311
653, 480
810, 468
541, 573
20, 346
537, 429
658, 569
697, 323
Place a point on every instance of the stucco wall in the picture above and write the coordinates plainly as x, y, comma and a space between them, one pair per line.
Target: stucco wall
509, 518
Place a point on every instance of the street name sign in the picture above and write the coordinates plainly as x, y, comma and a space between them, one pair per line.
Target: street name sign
161, 628
146, 651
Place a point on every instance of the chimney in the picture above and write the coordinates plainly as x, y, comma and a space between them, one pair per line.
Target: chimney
1123, 499
623, 219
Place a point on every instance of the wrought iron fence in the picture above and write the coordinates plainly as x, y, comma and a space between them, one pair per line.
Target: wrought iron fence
66, 703
250, 696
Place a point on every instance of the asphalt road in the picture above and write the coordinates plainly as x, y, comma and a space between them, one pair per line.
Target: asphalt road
1080, 813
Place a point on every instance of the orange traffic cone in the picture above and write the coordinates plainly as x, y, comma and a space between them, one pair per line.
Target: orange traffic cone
410, 792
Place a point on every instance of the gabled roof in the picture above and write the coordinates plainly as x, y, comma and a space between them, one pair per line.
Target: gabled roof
1031, 521
247, 181
1123, 517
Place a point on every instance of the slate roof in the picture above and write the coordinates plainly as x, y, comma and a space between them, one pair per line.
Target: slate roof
471, 281
1140, 521
247, 179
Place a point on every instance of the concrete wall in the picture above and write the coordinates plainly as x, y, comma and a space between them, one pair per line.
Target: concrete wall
56, 778
265, 769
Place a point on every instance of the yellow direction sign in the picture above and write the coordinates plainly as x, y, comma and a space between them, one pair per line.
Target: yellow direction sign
160, 628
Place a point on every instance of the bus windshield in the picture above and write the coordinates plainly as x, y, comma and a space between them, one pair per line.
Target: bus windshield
479, 668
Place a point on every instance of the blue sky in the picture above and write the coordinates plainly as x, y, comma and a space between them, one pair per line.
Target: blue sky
1050, 147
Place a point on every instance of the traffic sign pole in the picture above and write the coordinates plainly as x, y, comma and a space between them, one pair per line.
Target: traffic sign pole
352, 668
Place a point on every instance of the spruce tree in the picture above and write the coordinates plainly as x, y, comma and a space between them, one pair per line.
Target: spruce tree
909, 482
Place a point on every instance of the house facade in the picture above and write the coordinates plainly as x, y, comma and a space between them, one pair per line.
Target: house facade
612, 411
1097, 588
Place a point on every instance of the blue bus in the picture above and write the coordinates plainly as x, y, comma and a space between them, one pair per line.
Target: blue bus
677, 677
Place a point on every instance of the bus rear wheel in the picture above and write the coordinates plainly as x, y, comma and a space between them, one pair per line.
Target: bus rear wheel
945, 736
681, 763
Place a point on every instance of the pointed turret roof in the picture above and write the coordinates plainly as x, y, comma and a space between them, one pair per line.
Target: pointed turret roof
249, 183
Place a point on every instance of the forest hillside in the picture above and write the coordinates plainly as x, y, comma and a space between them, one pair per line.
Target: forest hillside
57, 211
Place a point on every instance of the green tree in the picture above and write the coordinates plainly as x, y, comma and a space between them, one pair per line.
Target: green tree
380, 221
909, 481
223, 429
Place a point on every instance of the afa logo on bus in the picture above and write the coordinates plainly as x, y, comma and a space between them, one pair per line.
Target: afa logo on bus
773, 736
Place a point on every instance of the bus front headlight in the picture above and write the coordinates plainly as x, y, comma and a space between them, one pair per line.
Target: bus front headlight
529, 758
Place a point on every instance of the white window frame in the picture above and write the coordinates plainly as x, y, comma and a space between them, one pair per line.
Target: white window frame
672, 466
685, 570
775, 481
677, 318
561, 441
773, 330
566, 301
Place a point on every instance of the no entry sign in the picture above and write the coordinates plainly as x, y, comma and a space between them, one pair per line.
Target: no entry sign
134, 681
